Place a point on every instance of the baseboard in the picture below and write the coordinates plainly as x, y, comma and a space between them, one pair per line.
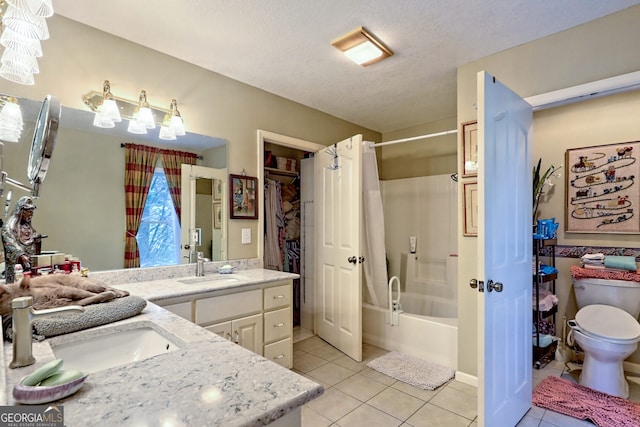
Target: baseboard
631, 367
471, 380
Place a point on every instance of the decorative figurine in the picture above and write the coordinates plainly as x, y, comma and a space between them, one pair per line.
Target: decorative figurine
19, 238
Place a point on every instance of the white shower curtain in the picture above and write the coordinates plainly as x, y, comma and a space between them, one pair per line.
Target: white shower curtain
375, 265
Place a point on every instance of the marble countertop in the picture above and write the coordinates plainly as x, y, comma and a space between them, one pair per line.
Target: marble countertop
161, 290
207, 381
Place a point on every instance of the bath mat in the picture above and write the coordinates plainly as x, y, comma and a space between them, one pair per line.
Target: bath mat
412, 370
575, 400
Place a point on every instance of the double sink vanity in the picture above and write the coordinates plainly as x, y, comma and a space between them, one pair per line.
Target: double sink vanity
193, 357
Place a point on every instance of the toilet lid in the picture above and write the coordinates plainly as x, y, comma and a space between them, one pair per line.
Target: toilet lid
609, 323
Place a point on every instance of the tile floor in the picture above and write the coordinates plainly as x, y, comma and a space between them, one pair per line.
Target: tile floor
356, 395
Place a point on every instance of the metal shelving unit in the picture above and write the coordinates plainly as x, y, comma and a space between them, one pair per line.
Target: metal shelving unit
543, 355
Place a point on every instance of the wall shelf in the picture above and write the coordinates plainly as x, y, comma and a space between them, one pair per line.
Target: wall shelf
281, 172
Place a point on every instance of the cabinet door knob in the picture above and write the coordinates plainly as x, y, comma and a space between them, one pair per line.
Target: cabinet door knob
279, 325
280, 356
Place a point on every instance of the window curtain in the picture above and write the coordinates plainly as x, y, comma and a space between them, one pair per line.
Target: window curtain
140, 163
171, 163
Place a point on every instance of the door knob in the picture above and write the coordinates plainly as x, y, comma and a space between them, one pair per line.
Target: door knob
491, 286
473, 283
352, 260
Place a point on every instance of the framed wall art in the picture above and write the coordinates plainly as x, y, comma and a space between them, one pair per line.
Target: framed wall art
217, 215
470, 149
217, 189
243, 198
602, 194
470, 209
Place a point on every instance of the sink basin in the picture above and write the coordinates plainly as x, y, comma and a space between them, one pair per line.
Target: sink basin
213, 278
113, 349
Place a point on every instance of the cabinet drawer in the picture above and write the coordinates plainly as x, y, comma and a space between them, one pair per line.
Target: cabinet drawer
182, 309
277, 324
277, 296
215, 309
280, 352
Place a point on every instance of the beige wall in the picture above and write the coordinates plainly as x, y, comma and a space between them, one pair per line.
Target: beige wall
425, 157
78, 59
609, 120
590, 52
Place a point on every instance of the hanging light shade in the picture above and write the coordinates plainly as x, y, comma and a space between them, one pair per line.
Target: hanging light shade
108, 113
166, 132
11, 122
176, 123
25, 63
135, 126
145, 116
42, 8
25, 24
20, 44
16, 74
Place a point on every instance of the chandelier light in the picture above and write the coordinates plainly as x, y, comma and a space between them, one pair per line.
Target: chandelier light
23, 26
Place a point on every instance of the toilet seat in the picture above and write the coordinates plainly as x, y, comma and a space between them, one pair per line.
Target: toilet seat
608, 323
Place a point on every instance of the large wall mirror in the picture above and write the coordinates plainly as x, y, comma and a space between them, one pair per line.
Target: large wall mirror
81, 207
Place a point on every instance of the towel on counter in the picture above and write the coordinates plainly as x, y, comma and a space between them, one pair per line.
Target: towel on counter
627, 263
94, 315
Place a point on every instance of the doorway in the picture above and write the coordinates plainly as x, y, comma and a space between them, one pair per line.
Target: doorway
286, 223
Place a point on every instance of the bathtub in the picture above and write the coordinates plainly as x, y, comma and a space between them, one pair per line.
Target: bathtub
433, 337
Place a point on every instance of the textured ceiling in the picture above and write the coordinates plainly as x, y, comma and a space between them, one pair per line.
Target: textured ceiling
284, 46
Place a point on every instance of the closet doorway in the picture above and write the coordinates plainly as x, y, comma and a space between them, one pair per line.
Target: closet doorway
286, 226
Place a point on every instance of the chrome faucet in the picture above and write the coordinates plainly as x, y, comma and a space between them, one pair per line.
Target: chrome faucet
200, 264
23, 314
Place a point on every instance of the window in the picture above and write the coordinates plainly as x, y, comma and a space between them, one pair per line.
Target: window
159, 233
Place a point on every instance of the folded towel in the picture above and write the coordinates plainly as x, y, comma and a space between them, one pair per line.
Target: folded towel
584, 273
94, 315
621, 262
598, 256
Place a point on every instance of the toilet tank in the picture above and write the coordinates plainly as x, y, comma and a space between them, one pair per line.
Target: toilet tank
623, 294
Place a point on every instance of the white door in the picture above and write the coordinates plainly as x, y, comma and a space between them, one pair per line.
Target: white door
191, 244
338, 216
504, 254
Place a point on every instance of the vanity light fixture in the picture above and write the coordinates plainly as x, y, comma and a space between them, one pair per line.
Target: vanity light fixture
166, 132
176, 123
11, 123
362, 47
108, 113
23, 26
141, 116
134, 125
145, 116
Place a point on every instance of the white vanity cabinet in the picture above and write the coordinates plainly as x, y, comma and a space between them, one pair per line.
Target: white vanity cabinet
260, 320
246, 331
182, 309
278, 324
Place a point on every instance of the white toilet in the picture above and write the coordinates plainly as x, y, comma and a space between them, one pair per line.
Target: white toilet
607, 329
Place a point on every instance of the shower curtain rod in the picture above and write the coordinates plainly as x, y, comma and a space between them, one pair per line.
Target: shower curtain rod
414, 138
